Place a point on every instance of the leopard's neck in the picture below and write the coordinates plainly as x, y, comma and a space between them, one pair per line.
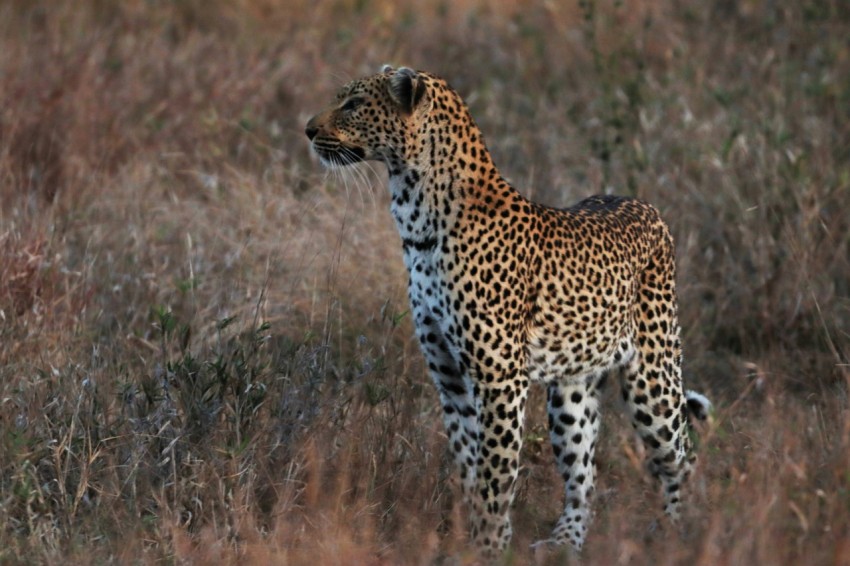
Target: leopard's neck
449, 181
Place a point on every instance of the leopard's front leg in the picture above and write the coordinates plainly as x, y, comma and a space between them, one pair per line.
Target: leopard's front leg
501, 411
456, 390
457, 397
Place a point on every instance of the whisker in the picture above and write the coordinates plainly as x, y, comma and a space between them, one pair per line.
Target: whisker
357, 174
365, 176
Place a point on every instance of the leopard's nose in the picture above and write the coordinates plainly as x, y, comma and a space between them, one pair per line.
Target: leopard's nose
312, 129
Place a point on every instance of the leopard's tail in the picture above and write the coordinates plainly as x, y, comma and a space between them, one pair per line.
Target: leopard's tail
699, 406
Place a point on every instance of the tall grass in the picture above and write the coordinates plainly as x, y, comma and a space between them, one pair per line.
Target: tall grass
204, 348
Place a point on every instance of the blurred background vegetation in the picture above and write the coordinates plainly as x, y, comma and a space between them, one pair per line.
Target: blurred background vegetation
204, 348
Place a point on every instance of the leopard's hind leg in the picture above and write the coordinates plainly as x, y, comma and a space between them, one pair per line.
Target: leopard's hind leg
652, 380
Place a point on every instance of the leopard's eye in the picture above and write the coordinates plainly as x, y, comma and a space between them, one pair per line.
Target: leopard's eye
352, 103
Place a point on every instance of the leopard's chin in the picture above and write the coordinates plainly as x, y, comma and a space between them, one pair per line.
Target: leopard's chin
339, 156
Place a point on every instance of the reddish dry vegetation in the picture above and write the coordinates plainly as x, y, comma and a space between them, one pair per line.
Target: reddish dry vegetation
204, 353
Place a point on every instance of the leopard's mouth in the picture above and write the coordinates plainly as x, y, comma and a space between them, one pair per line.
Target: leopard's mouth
334, 153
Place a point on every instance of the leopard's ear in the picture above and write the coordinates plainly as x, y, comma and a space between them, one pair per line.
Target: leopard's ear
387, 69
407, 89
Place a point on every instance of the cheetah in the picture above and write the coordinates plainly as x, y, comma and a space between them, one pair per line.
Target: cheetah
504, 292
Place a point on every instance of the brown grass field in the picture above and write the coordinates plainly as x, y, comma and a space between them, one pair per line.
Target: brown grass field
204, 350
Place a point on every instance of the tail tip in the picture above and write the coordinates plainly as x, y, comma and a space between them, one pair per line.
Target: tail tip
698, 404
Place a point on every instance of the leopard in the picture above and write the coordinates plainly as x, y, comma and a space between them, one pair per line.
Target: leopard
505, 292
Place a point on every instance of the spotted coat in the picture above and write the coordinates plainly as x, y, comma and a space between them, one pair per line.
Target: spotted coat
504, 291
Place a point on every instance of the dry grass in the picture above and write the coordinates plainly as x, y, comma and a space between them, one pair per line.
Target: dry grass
204, 353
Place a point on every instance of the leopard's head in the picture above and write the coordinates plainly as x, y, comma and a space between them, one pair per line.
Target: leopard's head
373, 118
